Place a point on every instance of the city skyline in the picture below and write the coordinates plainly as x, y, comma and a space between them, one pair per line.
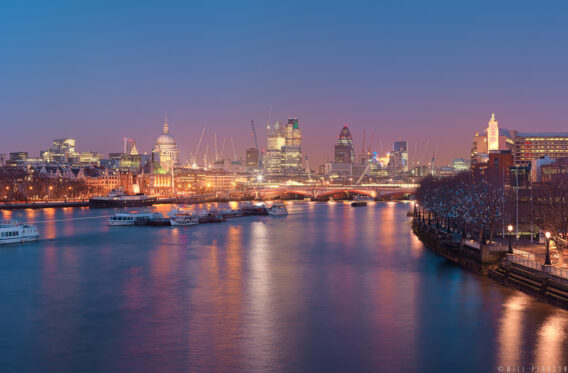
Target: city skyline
423, 73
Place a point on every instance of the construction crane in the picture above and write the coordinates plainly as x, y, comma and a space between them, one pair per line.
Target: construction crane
364, 173
234, 153
309, 169
216, 154
255, 142
222, 149
198, 145
363, 147
205, 156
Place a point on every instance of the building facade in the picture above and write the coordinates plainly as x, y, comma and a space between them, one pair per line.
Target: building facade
344, 151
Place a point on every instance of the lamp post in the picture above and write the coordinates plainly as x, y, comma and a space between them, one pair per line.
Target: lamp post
510, 229
547, 258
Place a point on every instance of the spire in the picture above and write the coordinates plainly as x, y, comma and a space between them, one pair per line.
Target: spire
492, 116
166, 130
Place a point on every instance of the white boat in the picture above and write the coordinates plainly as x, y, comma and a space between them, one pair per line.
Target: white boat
11, 231
277, 209
134, 218
184, 220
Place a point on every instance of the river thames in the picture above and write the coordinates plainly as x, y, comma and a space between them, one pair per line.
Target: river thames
328, 288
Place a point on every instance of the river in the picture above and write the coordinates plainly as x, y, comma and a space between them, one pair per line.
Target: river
328, 288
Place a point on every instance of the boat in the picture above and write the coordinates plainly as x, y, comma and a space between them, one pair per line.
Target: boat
11, 231
211, 218
277, 210
358, 204
134, 218
117, 198
228, 213
184, 220
258, 208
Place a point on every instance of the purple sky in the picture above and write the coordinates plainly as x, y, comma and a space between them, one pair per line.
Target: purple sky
426, 72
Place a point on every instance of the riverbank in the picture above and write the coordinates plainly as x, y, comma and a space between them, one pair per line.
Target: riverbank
518, 271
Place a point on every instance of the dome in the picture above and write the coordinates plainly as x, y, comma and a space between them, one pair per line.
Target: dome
165, 138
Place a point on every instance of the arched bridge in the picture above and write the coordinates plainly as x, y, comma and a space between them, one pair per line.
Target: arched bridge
336, 191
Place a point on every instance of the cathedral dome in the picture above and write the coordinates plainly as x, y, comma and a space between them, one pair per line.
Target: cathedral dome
165, 138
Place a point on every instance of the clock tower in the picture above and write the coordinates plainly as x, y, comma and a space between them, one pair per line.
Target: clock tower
493, 134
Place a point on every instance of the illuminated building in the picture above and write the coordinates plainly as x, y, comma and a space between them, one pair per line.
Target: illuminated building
395, 162
276, 140
93, 158
129, 146
63, 151
284, 151
18, 158
460, 164
534, 145
492, 139
292, 150
251, 159
344, 151
402, 148
166, 149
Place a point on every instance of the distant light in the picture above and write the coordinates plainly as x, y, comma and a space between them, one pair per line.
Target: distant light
510, 228
259, 178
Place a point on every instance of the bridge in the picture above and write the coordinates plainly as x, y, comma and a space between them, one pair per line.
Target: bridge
335, 191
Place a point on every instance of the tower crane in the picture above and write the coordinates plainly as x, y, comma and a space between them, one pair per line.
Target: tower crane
198, 145
234, 153
255, 142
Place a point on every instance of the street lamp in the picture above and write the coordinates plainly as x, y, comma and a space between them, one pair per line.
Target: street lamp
510, 229
547, 259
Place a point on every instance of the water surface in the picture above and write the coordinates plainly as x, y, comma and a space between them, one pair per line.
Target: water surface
328, 288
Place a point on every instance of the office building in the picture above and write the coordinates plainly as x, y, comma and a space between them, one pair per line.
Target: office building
344, 151
402, 148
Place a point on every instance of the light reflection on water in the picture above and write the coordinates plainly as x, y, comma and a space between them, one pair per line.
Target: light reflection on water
327, 288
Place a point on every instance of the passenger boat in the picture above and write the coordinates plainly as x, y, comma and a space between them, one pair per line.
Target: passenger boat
118, 199
258, 208
134, 218
11, 231
358, 204
184, 220
277, 209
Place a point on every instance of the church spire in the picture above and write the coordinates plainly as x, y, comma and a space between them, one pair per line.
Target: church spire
166, 130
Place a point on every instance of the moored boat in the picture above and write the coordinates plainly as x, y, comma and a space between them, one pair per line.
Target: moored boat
277, 209
211, 218
11, 231
258, 208
184, 220
118, 199
134, 218
358, 204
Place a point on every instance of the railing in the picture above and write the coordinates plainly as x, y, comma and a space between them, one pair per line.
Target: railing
551, 270
524, 254
498, 248
558, 272
525, 262
473, 244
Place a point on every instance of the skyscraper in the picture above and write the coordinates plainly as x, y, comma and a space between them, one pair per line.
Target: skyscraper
292, 150
276, 140
129, 146
344, 151
402, 148
251, 159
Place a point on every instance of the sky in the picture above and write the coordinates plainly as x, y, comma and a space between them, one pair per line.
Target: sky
429, 72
